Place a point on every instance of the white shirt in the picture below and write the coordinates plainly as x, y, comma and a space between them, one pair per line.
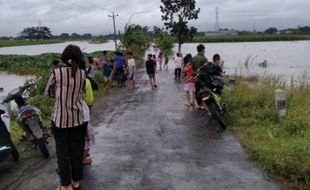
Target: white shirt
178, 61
131, 66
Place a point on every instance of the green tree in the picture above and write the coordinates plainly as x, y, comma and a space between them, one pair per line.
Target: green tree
271, 31
135, 38
64, 36
176, 14
166, 43
157, 32
36, 32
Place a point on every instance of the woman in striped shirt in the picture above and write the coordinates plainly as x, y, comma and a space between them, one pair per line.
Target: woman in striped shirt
68, 125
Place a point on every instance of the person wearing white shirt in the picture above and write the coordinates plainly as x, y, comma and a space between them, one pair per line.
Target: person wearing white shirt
178, 61
131, 70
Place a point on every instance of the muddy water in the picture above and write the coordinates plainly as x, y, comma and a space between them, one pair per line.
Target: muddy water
56, 48
11, 81
285, 59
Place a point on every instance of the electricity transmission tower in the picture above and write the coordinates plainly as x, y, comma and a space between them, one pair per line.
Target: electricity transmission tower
217, 22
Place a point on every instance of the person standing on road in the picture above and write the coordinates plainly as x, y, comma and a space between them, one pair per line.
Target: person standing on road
160, 60
198, 61
119, 66
150, 66
90, 137
186, 60
166, 62
131, 71
91, 70
68, 126
178, 61
189, 87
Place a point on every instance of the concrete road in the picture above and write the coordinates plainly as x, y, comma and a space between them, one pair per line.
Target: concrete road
147, 139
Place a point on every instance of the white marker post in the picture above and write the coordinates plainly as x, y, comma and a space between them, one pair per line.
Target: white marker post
280, 102
232, 82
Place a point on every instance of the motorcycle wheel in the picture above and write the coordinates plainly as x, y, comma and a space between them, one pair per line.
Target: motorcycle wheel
217, 116
14, 152
42, 146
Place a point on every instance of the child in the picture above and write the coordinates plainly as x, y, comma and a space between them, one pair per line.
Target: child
160, 60
89, 139
189, 87
91, 71
178, 61
150, 66
166, 62
131, 71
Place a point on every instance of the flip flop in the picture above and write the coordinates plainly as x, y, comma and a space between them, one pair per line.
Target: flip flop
87, 161
76, 187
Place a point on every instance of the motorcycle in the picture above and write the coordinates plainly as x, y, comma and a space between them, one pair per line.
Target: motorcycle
7, 147
210, 94
29, 118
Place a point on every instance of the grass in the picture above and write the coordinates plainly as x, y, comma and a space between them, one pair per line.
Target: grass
9, 43
39, 66
249, 38
280, 146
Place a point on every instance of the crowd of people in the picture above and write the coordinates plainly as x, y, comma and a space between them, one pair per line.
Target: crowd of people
72, 85
185, 68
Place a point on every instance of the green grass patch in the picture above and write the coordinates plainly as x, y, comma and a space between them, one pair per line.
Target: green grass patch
280, 146
9, 43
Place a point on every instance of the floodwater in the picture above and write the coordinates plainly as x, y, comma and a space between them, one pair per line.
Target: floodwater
56, 48
11, 81
286, 59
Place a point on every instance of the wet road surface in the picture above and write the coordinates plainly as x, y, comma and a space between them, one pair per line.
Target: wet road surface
147, 140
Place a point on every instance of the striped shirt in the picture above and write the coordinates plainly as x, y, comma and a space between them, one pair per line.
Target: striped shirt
69, 94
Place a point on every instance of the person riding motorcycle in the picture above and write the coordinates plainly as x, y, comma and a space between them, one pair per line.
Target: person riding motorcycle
210, 70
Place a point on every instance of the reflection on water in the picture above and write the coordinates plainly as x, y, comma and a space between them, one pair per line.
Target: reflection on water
282, 58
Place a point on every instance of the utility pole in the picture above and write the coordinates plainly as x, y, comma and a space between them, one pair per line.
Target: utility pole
115, 38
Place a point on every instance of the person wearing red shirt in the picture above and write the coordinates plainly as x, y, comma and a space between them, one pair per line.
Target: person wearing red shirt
189, 87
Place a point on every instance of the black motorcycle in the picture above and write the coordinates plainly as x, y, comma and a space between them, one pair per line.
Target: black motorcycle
7, 147
29, 118
211, 87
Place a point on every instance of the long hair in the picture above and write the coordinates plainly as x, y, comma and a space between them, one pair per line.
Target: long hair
72, 57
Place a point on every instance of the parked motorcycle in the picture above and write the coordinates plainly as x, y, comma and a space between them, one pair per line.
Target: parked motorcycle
29, 118
7, 147
210, 93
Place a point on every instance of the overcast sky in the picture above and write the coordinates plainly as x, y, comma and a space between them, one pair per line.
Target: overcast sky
91, 16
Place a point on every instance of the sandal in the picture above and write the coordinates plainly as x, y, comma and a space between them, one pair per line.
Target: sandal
87, 161
76, 187
201, 108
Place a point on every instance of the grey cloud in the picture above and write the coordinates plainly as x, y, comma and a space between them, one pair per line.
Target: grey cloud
92, 15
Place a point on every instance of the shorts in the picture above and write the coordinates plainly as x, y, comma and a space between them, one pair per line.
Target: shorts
189, 87
152, 76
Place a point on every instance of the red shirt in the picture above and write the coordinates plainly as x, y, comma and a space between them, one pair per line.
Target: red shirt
189, 73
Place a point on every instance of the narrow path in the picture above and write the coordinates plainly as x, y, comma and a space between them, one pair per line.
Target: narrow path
147, 140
